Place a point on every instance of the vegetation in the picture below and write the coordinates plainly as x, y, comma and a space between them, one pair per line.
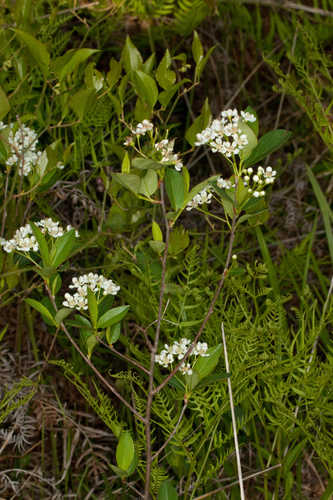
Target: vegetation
166, 249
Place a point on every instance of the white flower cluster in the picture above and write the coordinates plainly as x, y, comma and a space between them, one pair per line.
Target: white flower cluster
24, 239
178, 350
258, 180
95, 282
168, 156
23, 146
143, 127
224, 134
199, 199
224, 183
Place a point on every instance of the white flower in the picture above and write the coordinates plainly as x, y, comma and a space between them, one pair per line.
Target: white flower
200, 349
143, 127
186, 369
199, 199
248, 117
23, 152
223, 183
95, 282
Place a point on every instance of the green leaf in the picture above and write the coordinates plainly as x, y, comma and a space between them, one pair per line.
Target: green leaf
292, 455
4, 104
146, 164
165, 77
62, 314
93, 307
126, 164
157, 246
149, 183
197, 50
112, 316
125, 451
79, 56
41, 308
43, 248
129, 181
167, 491
145, 87
202, 63
268, 143
130, 56
205, 365
199, 124
80, 322
63, 248
114, 74
157, 233
37, 49
55, 283
89, 341
251, 138
174, 185
81, 101
113, 333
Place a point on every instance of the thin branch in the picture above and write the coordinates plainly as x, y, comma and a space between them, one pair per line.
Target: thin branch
210, 309
126, 358
151, 391
251, 476
233, 417
172, 433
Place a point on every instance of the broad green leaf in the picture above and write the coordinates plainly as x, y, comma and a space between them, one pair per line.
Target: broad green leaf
4, 104
199, 124
167, 491
88, 341
114, 74
43, 248
251, 138
268, 143
126, 164
81, 100
41, 308
55, 284
165, 77
76, 57
63, 248
130, 56
112, 333
112, 316
202, 63
145, 87
174, 185
205, 365
146, 164
125, 451
129, 181
197, 50
157, 233
93, 307
37, 49
80, 322
62, 314
149, 183
157, 246
148, 65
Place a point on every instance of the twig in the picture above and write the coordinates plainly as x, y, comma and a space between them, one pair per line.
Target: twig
151, 391
233, 417
172, 433
251, 476
210, 309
